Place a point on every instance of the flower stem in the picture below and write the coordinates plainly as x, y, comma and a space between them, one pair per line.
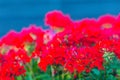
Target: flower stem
52, 72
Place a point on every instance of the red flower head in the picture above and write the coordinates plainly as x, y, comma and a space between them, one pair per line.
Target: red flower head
57, 20
106, 21
12, 39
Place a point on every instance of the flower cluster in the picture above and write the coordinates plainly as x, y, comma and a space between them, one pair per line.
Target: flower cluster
17, 49
81, 46
77, 46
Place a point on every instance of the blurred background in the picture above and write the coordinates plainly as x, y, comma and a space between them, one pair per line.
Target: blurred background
15, 14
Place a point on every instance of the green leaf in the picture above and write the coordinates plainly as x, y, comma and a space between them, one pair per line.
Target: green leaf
118, 72
96, 71
42, 77
19, 78
28, 76
111, 77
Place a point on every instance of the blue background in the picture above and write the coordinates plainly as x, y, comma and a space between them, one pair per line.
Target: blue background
15, 14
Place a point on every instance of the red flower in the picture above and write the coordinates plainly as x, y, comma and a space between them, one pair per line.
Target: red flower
58, 19
45, 62
12, 39
106, 21
11, 65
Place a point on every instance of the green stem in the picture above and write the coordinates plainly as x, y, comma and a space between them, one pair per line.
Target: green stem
29, 66
52, 72
62, 76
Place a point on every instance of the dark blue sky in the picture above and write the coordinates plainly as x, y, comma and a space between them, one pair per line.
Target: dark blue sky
15, 14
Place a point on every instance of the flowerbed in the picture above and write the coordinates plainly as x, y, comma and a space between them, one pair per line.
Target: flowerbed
87, 49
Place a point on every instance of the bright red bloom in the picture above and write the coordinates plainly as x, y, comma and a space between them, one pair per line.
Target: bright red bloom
45, 62
12, 39
58, 19
11, 65
106, 21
